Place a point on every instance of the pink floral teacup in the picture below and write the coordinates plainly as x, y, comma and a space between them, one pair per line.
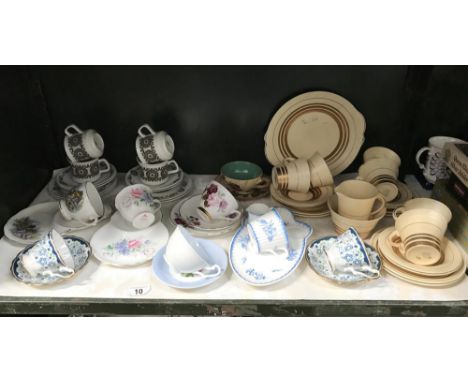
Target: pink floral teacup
218, 203
136, 205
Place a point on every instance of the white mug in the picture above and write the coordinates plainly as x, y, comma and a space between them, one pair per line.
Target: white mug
82, 146
268, 234
155, 174
153, 147
435, 166
218, 203
83, 204
136, 205
184, 254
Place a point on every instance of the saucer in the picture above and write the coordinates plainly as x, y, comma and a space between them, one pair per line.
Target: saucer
189, 281
114, 245
79, 249
30, 224
119, 222
62, 225
134, 176
65, 180
316, 259
265, 269
177, 193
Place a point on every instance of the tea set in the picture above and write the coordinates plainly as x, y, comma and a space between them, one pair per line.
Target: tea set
312, 138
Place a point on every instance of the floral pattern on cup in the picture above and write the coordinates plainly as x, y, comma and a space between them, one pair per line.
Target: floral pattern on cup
212, 197
25, 228
74, 200
138, 196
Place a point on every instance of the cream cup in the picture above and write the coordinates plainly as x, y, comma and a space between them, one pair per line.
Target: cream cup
320, 174
83, 204
298, 174
376, 152
377, 167
424, 203
359, 199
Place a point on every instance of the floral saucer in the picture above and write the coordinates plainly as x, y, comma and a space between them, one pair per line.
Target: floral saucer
113, 244
62, 225
265, 269
167, 276
134, 177
79, 249
316, 258
30, 224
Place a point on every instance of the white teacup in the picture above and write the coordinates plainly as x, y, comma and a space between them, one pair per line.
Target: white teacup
218, 203
184, 254
153, 147
155, 174
89, 171
268, 234
136, 205
49, 256
82, 146
83, 204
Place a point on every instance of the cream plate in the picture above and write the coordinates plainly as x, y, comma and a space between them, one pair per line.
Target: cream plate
325, 193
404, 194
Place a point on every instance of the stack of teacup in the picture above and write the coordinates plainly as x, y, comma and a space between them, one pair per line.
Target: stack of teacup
358, 204
154, 153
381, 167
84, 150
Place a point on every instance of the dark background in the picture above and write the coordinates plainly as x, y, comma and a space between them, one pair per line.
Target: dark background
214, 113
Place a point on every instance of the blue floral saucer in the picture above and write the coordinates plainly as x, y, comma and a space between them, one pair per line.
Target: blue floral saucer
79, 249
166, 275
317, 259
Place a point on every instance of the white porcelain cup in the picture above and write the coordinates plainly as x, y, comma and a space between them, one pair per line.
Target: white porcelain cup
268, 234
136, 205
89, 171
155, 174
49, 256
435, 166
153, 147
83, 204
82, 146
184, 254
218, 203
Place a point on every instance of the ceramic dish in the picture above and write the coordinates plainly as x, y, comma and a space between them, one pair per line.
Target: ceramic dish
79, 249
57, 192
62, 225
262, 269
177, 193
134, 176
320, 197
316, 259
312, 122
30, 224
166, 275
404, 194
65, 181
117, 244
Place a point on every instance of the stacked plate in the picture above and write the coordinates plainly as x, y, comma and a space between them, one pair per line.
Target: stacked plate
313, 208
62, 182
178, 185
312, 122
404, 194
449, 271
185, 213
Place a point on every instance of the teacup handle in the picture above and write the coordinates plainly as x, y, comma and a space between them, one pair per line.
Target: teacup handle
275, 252
75, 128
397, 212
216, 267
391, 240
380, 200
148, 128
261, 183
236, 214
418, 156
289, 159
375, 273
104, 165
176, 169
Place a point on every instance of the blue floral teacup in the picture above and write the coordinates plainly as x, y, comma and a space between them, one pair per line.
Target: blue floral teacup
268, 233
349, 255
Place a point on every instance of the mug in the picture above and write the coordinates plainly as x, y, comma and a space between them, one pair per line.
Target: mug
153, 147
184, 254
268, 234
136, 205
155, 174
218, 203
82, 146
435, 166
83, 204
89, 171
245, 175
49, 256
358, 199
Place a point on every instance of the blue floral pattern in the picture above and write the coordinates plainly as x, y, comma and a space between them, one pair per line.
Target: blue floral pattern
268, 228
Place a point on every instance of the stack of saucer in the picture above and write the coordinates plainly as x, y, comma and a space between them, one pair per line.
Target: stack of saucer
215, 212
303, 185
416, 250
156, 169
84, 150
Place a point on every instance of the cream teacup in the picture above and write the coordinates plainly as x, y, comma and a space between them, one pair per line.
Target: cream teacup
424, 203
82, 146
89, 171
83, 204
381, 152
378, 167
359, 199
155, 174
153, 147
294, 175
218, 203
268, 233
320, 174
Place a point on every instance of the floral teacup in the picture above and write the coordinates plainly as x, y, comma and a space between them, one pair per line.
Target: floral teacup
268, 233
83, 204
218, 203
136, 205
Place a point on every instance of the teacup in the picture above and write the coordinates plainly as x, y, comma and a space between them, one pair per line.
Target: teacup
245, 175
49, 256
155, 174
435, 166
268, 233
348, 255
83, 204
359, 199
89, 171
294, 175
381, 152
82, 146
136, 205
152, 147
424, 203
320, 174
218, 203
256, 210
378, 167
184, 254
